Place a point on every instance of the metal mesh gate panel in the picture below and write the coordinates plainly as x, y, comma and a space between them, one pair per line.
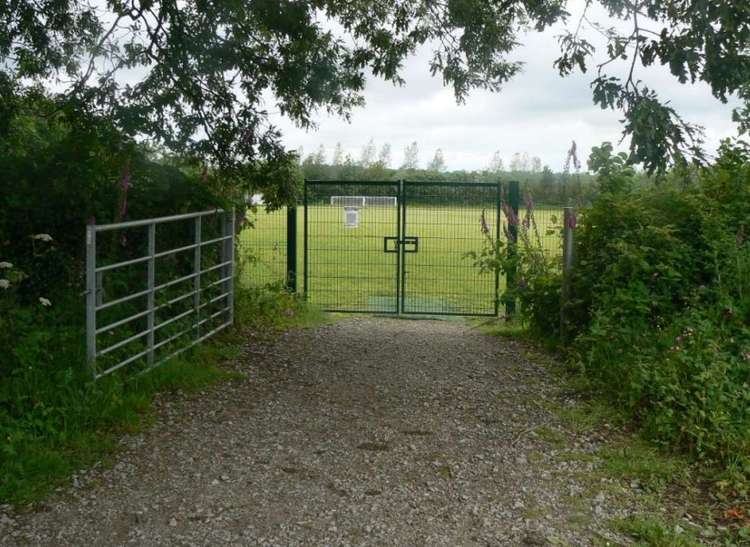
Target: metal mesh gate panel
394, 246
350, 246
441, 222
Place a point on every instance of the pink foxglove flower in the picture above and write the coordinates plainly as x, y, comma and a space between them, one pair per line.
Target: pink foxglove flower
528, 201
124, 187
483, 224
510, 214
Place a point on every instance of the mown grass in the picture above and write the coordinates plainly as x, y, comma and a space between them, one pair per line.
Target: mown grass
74, 422
349, 270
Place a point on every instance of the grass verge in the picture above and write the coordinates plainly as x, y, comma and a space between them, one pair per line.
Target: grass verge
654, 478
70, 422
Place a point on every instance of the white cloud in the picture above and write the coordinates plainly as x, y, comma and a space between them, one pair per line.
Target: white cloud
537, 112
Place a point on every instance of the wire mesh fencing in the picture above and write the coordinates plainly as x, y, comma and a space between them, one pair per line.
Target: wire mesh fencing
348, 265
449, 221
395, 246
262, 247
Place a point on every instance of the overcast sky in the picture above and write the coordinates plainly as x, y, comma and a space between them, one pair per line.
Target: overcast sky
538, 112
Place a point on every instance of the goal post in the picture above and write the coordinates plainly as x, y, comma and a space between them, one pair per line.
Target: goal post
364, 201
348, 201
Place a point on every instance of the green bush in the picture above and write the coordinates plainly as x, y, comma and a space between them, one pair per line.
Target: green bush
660, 316
54, 419
58, 169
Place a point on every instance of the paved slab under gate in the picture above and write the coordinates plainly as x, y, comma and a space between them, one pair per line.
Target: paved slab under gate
367, 431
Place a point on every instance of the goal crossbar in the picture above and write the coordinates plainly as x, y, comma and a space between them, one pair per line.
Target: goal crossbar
364, 201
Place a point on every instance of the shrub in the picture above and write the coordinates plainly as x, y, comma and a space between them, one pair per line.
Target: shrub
58, 169
660, 315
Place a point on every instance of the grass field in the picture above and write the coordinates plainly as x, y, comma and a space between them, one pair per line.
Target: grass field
348, 270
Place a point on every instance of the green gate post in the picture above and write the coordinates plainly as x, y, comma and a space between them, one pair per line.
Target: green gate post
291, 248
499, 217
514, 199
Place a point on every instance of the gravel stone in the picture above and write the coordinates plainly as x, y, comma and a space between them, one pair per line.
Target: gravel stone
366, 431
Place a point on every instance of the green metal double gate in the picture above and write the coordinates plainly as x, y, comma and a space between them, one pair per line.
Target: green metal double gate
398, 247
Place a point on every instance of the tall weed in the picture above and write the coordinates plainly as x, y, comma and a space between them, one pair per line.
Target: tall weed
660, 314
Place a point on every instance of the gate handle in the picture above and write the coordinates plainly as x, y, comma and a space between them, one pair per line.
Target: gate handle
410, 241
385, 244
406, 241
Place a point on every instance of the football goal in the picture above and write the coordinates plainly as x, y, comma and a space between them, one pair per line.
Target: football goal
364, 201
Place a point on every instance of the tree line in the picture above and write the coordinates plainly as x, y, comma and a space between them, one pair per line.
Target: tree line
569, 186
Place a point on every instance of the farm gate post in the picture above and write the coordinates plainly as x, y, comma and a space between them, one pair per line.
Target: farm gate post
291, 248
569, 224
514, 199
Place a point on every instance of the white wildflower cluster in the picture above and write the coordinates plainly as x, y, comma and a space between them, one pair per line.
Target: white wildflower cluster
683, 339
5, 283
5, 265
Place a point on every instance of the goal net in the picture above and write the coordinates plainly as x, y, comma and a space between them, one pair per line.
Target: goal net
364, 201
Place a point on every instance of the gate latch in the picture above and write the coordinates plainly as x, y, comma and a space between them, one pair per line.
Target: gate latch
410, 241
388, 248
391, 244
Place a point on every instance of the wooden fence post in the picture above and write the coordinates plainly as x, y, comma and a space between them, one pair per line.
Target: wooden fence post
514, 200
569, 224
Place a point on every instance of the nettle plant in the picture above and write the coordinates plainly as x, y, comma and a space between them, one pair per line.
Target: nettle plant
661, 317
535, 273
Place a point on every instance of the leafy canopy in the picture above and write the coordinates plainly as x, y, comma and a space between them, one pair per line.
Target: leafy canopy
196, 75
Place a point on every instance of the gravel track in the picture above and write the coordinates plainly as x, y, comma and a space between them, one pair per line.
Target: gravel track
367, 431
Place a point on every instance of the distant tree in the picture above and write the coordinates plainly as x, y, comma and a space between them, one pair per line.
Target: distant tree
411, 156
536, 164
198, 71
384, 158
496, 164
338, 154
309, 160
320, 155
437, 164
349, 168
515, 162
314, 166
525, 162
547, 184
368, 154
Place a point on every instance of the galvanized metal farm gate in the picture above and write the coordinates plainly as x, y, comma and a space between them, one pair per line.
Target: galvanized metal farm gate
392, 247
184, 270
